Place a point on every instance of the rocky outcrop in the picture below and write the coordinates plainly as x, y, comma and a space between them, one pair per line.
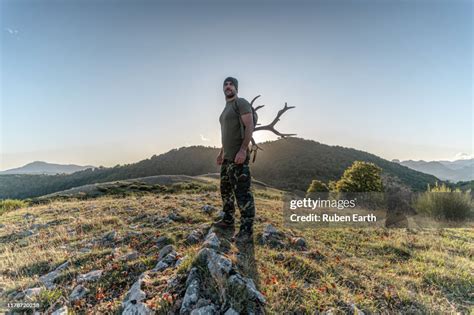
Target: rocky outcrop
48, 279
166, 258
215, 286
90, 276
132, 304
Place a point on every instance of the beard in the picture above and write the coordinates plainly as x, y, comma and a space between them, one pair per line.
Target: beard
229, 94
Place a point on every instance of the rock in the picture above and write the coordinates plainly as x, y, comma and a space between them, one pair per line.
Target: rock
165, 251
194, 237
160, 266
109, 237
299, 243
2, 226
90, 276
163, 240
243, 295
172, 283
208, 209
131, 234
218, 265
191, 295
28, 216
132, 304
16, 295
48, 279
61, 311
26, 233
166, 258
135, 294
32, 292
212, 241
38, 226
272, 237
78, 293
137, 309
202, 302
205, 310
231, 311
63, 266
129, 256
85, 250
176, 217
270, 229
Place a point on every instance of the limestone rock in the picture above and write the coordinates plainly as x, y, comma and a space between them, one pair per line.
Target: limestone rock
192, 292
90, 276
78, 293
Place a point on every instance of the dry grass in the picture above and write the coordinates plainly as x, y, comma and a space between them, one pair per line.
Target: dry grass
374, 270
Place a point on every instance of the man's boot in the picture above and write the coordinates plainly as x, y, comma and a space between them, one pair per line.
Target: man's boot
245, 233
226, 222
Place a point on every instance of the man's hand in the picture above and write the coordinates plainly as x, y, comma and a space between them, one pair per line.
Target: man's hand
240, 156
220, 159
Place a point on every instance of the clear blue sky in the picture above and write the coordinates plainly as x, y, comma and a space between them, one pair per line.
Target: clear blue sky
113, 82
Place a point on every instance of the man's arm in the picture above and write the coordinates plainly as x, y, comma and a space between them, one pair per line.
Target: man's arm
247, 120
220, 156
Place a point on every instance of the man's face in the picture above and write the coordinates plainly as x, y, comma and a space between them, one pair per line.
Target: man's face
229, 89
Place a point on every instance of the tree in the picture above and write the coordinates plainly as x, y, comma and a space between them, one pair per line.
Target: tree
317, 186
360, 177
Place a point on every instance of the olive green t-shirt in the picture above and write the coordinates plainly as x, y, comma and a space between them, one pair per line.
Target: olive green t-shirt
230, 126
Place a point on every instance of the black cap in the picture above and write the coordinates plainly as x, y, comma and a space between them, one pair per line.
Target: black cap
234, 82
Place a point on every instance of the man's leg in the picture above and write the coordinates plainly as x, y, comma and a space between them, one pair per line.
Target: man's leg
241, 181
227, 197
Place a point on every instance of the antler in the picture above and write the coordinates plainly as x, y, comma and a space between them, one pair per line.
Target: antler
259, 106
271, 126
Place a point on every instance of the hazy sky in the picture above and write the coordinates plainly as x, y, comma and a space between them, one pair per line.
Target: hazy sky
109, 82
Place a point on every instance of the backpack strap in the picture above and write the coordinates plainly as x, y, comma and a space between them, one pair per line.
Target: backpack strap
236, 110
242, 131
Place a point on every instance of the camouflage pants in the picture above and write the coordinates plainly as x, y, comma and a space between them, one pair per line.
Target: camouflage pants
235, 185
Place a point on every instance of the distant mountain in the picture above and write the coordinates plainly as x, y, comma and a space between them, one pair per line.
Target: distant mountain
454, 171
458, 164
39, 167
286, 164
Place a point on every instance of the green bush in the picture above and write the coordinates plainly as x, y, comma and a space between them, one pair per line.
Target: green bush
11, 204
317, 186
359, 177
444, 203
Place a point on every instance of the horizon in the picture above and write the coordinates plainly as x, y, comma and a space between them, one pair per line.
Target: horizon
214, 147
101, 83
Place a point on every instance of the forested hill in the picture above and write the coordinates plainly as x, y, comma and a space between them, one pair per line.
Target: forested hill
286, 163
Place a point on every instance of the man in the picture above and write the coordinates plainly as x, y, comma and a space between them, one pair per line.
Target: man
234, 159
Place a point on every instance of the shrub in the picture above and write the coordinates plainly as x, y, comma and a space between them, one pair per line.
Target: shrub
444, 203
317, 186
360, 177
11, 204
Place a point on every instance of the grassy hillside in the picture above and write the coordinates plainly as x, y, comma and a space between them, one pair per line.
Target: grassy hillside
340, 270
286, 164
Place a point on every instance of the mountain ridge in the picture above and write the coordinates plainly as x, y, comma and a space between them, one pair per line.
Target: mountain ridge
289, 164
455, 171
42, 167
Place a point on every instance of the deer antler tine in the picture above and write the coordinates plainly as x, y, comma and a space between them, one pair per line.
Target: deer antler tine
251, 103
271, 126
258, 107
